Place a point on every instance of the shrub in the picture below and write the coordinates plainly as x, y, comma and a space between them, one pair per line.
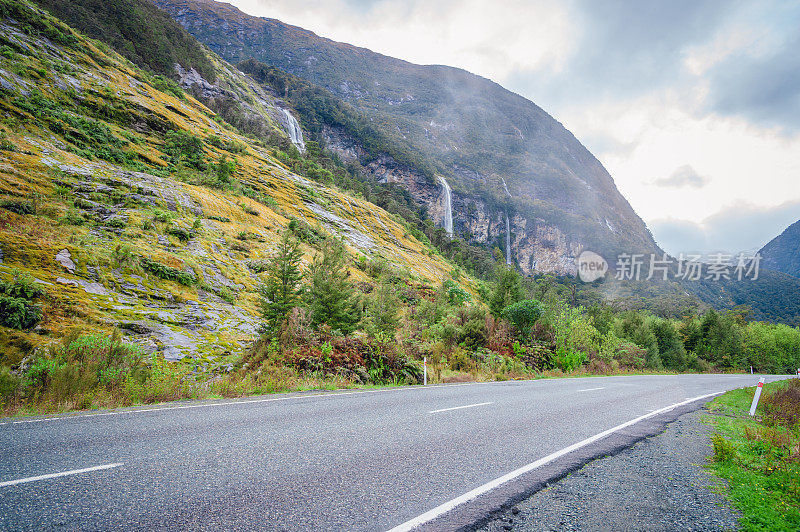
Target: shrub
455, 294
248, 209
507, 290
179, 232
305, 232
117, 223
225, 168
720, 340
723, 449
182, 147
162, 216
523, 314
167, 272
575, 338
72, 218
81, 365
567, 360
630, 355
382, 308
223, 292
258, 266
219, 218
5, 144
17, 313
634, 328
772, 347
163, 84
18, 207
474, 331
123, 256
22, 285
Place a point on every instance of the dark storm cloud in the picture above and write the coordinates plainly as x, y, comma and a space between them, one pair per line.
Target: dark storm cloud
684, 176
732, 229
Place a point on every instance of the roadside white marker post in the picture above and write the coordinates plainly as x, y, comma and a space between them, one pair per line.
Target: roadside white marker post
757, 396
751, 370
425, 371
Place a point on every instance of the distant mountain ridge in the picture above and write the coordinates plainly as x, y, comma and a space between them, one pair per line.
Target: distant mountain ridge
782, 253
501, 154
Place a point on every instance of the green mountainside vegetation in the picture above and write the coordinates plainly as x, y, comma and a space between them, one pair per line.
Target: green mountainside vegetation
151, 251
138, 31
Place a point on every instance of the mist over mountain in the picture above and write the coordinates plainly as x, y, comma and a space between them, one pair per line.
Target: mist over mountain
500, 153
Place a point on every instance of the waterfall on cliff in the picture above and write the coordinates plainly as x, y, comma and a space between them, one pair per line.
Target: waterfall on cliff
504, 186
448, 206
295, 133
508, 242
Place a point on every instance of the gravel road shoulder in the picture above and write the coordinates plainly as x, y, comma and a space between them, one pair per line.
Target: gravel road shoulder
657, 484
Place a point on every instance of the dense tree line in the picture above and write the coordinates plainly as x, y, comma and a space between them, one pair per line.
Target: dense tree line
541, 324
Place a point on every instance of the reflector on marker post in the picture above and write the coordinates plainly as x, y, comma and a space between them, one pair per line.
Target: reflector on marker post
757, 396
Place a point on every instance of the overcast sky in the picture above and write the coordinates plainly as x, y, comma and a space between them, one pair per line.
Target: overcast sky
692, 106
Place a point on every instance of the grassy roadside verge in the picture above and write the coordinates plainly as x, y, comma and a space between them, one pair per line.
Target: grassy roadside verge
760, 457
89, 372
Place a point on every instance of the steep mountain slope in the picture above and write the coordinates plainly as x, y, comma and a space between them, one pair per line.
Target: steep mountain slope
139, 31
151, 39
138, 207
782, 253
500, 153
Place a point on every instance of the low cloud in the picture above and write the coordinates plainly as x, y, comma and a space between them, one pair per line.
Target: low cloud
736, 228
683, 176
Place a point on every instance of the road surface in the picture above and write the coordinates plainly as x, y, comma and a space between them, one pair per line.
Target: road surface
353, 460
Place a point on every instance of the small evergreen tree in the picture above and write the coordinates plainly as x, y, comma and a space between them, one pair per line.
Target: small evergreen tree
281, 290
331, 297
225, 169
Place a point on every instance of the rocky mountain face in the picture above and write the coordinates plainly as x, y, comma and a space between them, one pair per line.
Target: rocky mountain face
501, 154
112, 197
782, 253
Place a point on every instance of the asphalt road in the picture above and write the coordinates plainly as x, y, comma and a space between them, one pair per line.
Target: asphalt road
356, 460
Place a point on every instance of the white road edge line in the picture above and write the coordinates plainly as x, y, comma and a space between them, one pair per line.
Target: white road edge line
227, 403
440, 510
273, 399
592, 389
56, 475
459, 407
